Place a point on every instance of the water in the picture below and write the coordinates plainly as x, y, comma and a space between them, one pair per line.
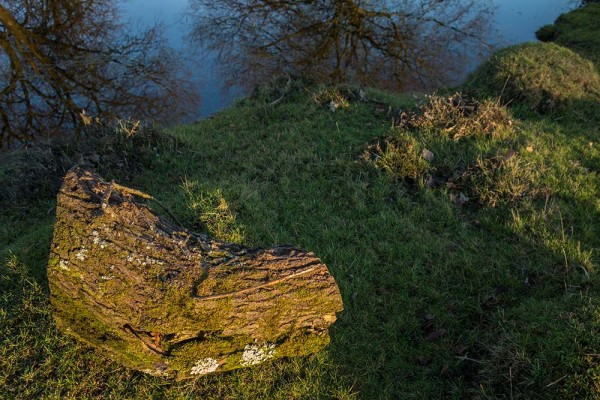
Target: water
516, 22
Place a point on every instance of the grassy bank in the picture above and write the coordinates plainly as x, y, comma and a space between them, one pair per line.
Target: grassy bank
577, 30
463, 234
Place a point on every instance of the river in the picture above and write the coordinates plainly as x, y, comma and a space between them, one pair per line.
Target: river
515, 22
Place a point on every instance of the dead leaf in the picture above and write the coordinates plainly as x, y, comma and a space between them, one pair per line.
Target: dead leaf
362, 95
461, 199
422, 360
510, 154
444, 369
428, 155
460, 349
438, 333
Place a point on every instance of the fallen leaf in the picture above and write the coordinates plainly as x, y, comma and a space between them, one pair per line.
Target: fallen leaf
444, 369
461, 199
362, 95
428, 155
422, 360
510, 154
438, 333
434, 182
333, 106
460, 349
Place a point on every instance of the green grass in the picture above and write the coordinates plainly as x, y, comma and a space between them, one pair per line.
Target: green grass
469, 274
545, 77
487, 299
578, 30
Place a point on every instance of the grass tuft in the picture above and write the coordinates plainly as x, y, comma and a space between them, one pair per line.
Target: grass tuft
214, 213
459, 116
500, 179
400, 155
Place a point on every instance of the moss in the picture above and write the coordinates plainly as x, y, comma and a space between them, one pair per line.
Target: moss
226, 350
302, 345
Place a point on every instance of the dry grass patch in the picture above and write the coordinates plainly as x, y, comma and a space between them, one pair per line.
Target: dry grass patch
333, 98
500, 179
459, 116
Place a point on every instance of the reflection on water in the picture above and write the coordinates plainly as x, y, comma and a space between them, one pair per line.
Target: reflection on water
67, 64
515, 21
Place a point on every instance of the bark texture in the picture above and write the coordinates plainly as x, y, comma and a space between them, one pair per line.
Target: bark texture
175, 303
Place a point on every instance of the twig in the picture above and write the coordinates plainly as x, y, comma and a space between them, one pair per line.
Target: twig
510, 379
147, 197
286, 90
149, 344
463, 358
106, 196
556, 381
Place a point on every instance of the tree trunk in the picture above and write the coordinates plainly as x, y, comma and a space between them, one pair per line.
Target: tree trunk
175, 303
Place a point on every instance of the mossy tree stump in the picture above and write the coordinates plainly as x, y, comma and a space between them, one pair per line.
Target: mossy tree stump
170, 302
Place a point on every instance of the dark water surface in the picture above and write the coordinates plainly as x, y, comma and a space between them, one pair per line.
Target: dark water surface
515, 22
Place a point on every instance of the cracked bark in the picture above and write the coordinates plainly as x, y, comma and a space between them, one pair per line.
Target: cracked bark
167, 301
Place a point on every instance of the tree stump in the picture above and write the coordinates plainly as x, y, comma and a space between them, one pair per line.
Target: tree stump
166, 301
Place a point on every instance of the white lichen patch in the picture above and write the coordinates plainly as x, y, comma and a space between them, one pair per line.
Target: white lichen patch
254, 354
107, 277
204, 366
98, 241
80, 255
64, 264
148, 261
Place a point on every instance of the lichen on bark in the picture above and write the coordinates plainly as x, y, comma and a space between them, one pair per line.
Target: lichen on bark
170, 302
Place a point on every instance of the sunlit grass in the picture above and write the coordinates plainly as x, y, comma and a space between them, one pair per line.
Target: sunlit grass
467, 271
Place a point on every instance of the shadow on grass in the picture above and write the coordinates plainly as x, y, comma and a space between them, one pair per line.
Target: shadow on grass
440, 301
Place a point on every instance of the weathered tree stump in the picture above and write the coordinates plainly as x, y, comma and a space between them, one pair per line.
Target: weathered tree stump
170, 302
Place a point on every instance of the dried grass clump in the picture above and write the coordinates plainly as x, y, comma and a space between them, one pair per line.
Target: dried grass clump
500, 179
459, 116
400, 155
333, 98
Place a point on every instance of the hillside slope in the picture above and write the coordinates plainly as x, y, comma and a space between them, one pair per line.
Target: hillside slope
464, 236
